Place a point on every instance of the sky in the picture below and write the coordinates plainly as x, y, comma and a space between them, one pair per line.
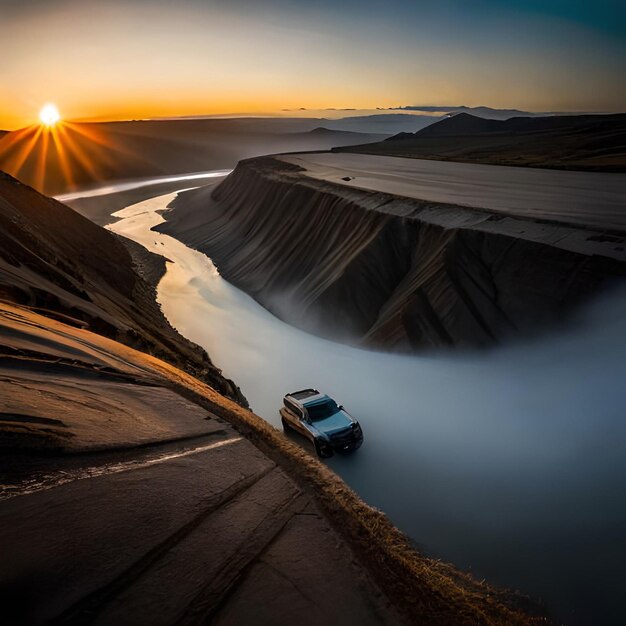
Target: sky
113, 59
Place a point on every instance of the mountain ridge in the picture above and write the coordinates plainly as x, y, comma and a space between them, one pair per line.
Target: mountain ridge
575, 142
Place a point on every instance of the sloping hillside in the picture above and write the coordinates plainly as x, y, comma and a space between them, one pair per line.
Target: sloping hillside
579, 142
59, 263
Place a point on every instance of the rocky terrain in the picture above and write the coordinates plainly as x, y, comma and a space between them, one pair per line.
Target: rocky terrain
387, 271
577, 142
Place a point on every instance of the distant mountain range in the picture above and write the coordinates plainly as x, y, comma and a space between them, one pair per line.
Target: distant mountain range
464, 123
582, 142
481, 111
323, 131
382, 123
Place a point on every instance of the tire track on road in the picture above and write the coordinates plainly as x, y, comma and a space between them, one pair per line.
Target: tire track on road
87, 609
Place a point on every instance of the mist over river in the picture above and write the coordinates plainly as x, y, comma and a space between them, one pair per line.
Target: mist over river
508, 462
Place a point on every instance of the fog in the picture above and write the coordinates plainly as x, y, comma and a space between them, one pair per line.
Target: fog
509, 462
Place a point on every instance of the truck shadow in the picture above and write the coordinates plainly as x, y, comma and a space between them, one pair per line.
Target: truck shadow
300, 440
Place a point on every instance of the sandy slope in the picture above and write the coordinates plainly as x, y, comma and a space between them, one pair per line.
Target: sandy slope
64, 388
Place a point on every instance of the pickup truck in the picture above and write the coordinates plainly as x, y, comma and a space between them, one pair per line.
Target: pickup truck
316, 416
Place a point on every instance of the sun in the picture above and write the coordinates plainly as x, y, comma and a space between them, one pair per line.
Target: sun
49, 115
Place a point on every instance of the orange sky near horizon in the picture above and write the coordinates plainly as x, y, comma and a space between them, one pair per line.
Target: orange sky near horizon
113, 60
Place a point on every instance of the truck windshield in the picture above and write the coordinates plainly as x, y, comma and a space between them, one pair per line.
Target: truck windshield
322, 410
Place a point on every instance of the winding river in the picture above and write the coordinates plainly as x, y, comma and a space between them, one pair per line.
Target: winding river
509, 463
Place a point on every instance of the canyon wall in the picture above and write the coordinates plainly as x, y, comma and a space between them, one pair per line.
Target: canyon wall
386, 271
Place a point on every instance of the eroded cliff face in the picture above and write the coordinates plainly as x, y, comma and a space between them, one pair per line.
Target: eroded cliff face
387, 271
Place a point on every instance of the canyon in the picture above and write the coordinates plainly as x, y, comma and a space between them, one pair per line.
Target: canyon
333, 251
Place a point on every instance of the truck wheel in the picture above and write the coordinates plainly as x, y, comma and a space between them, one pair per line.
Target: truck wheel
286, 426
323, 451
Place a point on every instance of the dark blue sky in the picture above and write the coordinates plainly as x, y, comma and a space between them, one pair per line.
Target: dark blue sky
606, 16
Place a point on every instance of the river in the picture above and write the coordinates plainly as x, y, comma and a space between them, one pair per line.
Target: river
509, 462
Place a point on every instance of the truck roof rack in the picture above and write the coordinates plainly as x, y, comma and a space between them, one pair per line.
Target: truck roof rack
303, 393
